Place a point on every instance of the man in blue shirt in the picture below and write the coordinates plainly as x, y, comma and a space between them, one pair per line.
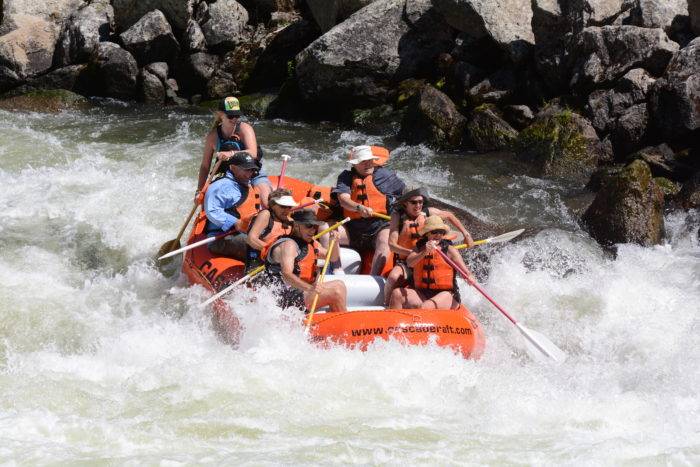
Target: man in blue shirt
227, 201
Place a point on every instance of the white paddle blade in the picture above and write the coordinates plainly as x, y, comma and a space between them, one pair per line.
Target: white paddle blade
506, 237
539, 347
188, 247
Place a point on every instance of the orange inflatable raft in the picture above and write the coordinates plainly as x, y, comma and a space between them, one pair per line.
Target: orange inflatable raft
365, 321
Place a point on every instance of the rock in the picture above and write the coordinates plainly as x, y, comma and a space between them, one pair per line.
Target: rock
668, 187
495, 89
222, 84
657, 13
151, 39
675, 97
239, 63
256, 104
194, 71
327, 13
378, 120
630, 129
584, 13
71, 78
225, 28
562, 145
432, 117
83, 31
152, 89
488, 131
604, 107
349, 67
26, 51
606, 53
519, 116
601, 176
128, 12
160, 69
662, 161
507, 22
288, 104
694, 12
116, 72
193, 39
51, 11
50, 101
690, 193
407, 89
628, 209
267, 11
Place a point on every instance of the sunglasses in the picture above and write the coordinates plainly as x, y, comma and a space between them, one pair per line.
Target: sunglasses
309, 226
231, 117
437, 232
415, 201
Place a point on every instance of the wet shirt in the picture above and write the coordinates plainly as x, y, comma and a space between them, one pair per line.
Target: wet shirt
223, 195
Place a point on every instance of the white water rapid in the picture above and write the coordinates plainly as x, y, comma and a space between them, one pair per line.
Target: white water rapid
103, 361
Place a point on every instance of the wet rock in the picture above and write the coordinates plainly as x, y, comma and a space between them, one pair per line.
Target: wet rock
358, 63
668, 187
193, 39
602, 175
604, 54
327, 13
152, 89
433, 117
50, 101
151, 39
225, 27
72, 78
409, 88
256, 104
690, 193
115, 72
562, 145
507, 23
27, 50
382, 119
488, 131
519, 116
128, 12
694, 12
628, 209
83, 31
675, 97
662, 161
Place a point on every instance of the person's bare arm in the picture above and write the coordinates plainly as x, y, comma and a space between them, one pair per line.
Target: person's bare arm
452, 219
249, 140
416, 256
205, 166
347, 202
394, 231
261, 221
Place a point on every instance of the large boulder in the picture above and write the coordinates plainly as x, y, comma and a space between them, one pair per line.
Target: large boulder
194, 71
152, 88
225, 28
327, 13
116, 72
193, 40
128, 12
507, 22
663, 162
151, 39
604, 54
358, 63
83, 31
49, 101
675, 97
26, 51
627, 209
657, 13
561, 144
488, 131
53, 11
690, 193
431, 116
694, 12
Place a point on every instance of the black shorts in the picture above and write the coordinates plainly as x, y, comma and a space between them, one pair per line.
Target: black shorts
430, 293
287, 296
362, 233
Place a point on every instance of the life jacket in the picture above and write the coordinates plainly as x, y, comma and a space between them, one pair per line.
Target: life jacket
244, 209
408, 230
433, 272
272, 231
364, 191
304, 263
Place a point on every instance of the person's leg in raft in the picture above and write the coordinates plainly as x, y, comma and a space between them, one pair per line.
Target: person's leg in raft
332, 294
405, 298
443, 300
381, 252
233, 246
396, 277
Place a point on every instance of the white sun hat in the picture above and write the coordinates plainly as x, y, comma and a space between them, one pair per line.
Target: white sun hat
286, 200
360, 153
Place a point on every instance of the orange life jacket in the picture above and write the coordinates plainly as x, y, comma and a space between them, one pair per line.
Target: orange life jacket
304, 263
364, 192
408, 231
274, 230
433, 272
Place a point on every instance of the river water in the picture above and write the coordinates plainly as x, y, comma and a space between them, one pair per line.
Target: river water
105, 361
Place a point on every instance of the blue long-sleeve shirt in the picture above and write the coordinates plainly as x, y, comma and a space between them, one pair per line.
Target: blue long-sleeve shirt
222, 195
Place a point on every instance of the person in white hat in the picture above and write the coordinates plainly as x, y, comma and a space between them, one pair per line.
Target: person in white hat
268, 225
364, 191
434, 281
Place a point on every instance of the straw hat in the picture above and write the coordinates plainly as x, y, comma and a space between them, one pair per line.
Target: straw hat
433, 223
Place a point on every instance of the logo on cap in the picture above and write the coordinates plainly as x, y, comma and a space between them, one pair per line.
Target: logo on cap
231, 103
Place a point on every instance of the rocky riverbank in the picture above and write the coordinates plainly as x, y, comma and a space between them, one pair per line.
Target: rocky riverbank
602, 93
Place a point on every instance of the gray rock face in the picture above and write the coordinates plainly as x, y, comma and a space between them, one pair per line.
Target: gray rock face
159, 69
694, 12
690, 193
603, 54
675, 97
662, 161
52, 11
431, 116
657, 13
194, 71
193, 39
128, 12
357, 62
494, 89
152, 89
116, 71
627, 209
507, 22
26, 51
488, 131
151, 39
221, 84
225, 27
327, 13
85, 28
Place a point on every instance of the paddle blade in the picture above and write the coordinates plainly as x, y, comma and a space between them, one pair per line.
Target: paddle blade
167, 266
539, 347
506, 237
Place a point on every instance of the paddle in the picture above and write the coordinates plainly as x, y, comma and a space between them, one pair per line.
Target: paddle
381, 216
498, 239
174, 244
285, 158
232, 286
320, 281
221, 235
538, 345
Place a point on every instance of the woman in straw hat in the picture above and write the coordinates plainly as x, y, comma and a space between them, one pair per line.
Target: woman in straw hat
269, 224
408, 216
434, 282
